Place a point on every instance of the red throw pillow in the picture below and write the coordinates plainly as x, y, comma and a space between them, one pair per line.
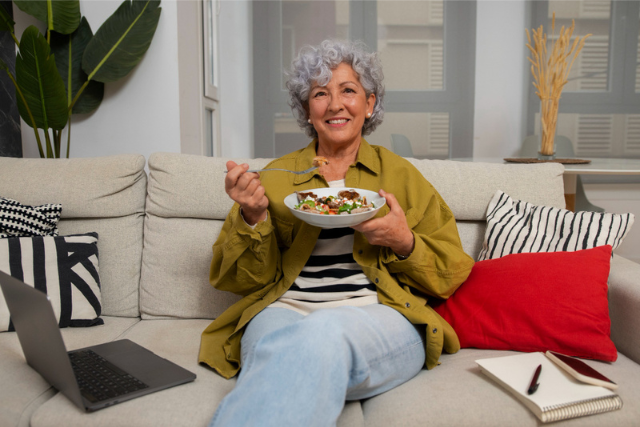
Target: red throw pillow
536, 302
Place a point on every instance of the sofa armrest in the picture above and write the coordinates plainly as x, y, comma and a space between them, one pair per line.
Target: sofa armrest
624, 306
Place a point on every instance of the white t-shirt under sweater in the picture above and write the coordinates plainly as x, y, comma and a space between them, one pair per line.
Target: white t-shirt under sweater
331, 277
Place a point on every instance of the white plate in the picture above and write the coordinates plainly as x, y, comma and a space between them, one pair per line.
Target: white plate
335, 221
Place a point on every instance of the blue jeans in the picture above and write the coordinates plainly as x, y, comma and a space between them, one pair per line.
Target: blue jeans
299, 371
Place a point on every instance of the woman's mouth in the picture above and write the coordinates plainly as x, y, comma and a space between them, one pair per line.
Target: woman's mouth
337, 122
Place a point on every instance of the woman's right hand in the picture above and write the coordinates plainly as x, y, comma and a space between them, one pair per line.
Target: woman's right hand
246, 189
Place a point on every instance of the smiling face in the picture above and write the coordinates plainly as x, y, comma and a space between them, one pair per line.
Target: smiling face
338, 110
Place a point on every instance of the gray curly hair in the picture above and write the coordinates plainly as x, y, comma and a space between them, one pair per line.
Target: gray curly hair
314, 64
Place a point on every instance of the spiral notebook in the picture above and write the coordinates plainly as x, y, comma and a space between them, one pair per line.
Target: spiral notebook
558, 396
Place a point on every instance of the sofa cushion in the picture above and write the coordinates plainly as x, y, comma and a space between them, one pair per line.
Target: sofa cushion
175, 269
17, 219
188, 186
467, 187
624, 300
22, 389
191, 404
471, 236
457, 393
104, 195
536, 302
515, 226
186, 207
64, 267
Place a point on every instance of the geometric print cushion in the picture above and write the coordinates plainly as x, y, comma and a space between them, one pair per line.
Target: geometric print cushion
17, 219
514, 226
65, 268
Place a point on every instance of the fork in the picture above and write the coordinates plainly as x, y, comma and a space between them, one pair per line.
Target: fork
284, 170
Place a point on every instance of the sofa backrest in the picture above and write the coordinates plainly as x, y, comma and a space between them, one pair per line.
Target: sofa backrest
105, 195
468, 187
186, 207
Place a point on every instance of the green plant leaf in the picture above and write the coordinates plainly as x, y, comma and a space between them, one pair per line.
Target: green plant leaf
122, 40
6, 23
38, 79
62, 16
29, 117
68, 50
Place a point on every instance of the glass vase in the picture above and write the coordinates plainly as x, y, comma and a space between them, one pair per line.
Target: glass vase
548, 126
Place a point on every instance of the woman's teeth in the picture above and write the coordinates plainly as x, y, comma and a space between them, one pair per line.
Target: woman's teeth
337, 122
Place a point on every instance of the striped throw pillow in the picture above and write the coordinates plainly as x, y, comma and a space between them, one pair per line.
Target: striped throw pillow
21, 220
514, 226
64, 267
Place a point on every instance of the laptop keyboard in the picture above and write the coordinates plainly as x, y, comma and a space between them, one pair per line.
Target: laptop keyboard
99, 379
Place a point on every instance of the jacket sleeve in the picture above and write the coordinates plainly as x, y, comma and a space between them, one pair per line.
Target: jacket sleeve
245, 259
438, 265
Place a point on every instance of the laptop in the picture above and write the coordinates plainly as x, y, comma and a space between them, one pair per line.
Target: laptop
93, 377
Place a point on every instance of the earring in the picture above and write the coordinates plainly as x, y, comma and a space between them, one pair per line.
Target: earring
368, 115
309, 121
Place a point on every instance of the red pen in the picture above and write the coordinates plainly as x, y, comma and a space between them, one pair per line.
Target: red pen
534, 381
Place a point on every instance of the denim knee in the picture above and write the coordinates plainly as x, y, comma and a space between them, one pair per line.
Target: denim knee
327, 337
320, 338
330, 327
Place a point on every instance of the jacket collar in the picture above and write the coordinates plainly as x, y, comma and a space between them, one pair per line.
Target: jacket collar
367, 158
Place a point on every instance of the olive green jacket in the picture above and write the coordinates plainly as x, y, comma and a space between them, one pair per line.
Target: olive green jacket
261, 263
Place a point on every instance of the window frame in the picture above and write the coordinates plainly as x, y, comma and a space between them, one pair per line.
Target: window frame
210, 129
211, 8
457, 98
621, 97
458, 95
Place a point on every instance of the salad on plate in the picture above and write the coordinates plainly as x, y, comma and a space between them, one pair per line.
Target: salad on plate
345, 203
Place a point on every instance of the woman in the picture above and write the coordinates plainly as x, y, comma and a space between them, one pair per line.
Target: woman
330, 315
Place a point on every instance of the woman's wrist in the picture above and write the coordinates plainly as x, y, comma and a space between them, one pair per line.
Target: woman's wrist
253, 218
403, 251
400, 256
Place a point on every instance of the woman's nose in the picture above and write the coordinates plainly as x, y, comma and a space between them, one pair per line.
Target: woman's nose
335, 104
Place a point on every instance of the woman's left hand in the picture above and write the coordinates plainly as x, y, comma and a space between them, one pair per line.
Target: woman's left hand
391, 230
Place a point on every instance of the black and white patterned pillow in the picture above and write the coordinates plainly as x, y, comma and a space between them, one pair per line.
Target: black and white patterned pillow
514, 226
64, 267
18, 220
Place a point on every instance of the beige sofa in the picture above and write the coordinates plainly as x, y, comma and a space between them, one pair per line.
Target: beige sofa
156, 229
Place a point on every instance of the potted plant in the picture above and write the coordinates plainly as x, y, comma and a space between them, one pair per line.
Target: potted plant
64, 72
550, 69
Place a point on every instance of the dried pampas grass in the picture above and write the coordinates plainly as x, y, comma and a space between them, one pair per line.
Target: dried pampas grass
550, 72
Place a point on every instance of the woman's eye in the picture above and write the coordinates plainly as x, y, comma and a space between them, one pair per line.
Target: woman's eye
317, 94
349, 90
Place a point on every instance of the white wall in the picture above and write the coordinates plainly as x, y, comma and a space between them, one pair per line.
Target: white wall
139, 114
500, 87
236, 78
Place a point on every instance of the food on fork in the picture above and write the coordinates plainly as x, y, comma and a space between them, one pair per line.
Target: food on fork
320, 161
347, 202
